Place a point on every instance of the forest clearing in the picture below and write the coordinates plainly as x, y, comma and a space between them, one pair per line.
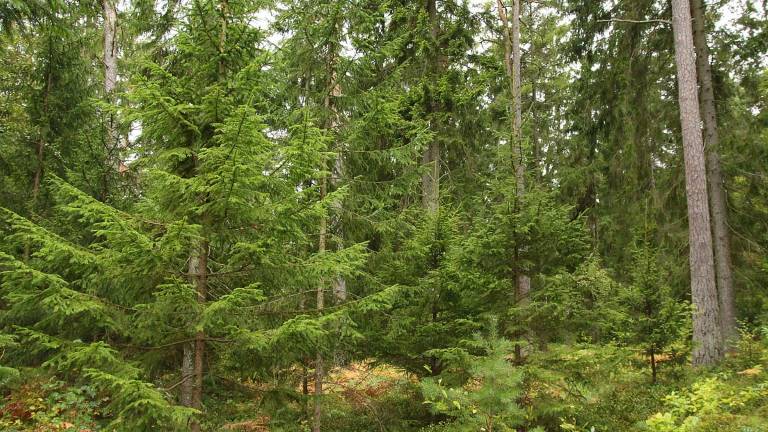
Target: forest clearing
384, 215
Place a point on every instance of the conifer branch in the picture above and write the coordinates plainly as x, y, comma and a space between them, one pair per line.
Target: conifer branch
632, 21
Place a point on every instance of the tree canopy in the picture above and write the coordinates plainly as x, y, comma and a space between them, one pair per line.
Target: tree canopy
352, 215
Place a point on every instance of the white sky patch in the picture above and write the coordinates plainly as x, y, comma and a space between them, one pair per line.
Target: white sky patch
478, 5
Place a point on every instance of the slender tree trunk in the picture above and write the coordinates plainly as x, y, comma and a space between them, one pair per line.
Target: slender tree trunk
523, 281
319, 372
109, 58
339, 283
304, 362
430, 180
40, 151
194, 353
198, 273
331, 123
718, 205
536, 138
187, 374
187, 387
110, 46
512, 63
39, 154
707, 339
517, 100
202, 295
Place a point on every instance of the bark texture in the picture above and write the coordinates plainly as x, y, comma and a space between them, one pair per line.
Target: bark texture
707, 339
187, 373
187, 387
110, 46
109, 58
718, 206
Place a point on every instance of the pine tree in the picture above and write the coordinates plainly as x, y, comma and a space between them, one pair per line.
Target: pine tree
707, 337
717, 199
112, 137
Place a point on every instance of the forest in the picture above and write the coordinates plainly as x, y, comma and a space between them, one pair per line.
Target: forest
384, 215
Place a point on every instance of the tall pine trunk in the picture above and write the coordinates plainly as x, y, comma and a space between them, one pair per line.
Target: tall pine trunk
523, 281
109, 59
718, 205
512, 63
707, 340
110, 46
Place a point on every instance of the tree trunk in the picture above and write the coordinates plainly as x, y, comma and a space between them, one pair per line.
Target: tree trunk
319, 373
718, 205
339, 284
110, 47
707, 340
194, 353
38, 170
202, 294
304, 362
187, 387
430, 180
513, 69
198, 274
523, 281
187, 374
40, 151
340, 289
112, 139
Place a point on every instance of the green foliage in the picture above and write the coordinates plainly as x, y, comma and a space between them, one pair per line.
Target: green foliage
732, 400
714, 404
138, 405
271, 159
488, 400
42, 403
585, 305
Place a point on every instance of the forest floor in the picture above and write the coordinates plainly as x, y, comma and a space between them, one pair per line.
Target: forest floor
580, 390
